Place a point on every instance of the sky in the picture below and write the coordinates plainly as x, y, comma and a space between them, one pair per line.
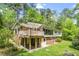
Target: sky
56, 6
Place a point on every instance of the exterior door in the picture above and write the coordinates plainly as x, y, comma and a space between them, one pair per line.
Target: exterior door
22, 42
32, 43
38, 43
25, 43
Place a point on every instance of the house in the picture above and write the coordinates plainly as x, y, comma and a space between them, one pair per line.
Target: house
32, 36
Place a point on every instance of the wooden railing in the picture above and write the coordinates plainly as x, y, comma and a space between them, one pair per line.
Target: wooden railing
23, 33
30, 33
37, 33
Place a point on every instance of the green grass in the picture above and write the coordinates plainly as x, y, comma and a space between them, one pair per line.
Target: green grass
54, 50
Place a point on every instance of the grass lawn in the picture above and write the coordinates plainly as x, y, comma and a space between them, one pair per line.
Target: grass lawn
54, 50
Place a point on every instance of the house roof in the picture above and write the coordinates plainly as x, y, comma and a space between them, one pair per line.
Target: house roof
31, 25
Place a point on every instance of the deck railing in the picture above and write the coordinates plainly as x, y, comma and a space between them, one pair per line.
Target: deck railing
30, 33
37, 33
23, 33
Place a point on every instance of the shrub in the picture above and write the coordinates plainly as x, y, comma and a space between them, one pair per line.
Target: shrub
11, 51
58, 40
69, 30
5, 35
75, 44
9, 45
67, 53
14, 49
68, 34
2, 45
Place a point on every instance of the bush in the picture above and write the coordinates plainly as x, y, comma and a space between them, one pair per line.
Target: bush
67, 53
14, 49
5, 35
69, 30
2, 45
68, 34
9, 45
58, 40
75, 44
10, 51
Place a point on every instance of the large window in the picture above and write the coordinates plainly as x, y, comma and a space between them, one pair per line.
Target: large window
48, 32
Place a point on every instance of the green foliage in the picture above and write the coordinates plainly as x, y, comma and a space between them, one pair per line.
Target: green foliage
64, 24
53, 50
59, 24
75, 43
49, 19
33, 16
76, 14
1, 21
5, 35
58, 40
7, 20
70, 30
68, 53
9, 17
66, 13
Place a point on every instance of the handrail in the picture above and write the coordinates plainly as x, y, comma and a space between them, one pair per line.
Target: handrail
32, 33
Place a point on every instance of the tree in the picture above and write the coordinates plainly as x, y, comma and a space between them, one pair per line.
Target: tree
49, 19
5, 35
66, 13
59, 24
1, 20
18, 8
33, 16
75, 42
70, 30
9, 18
76, 13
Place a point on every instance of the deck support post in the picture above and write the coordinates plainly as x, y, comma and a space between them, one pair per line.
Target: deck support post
35, 42
24, 43
19, 43
41, 41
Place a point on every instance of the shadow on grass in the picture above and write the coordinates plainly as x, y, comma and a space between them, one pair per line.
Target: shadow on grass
17, 53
